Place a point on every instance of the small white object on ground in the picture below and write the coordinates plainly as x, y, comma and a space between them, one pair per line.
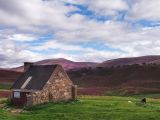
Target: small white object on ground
129, 101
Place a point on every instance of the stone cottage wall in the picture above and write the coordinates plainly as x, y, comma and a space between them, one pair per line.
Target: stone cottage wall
38, 97
58, 88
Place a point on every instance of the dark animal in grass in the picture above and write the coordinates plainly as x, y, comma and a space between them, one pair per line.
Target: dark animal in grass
144, 100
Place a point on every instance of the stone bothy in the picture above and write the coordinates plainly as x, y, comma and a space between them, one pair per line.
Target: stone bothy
41, 84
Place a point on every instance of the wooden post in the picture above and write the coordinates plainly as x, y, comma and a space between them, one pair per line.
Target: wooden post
74, 92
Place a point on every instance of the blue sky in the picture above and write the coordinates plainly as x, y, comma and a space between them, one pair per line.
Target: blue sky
78, 30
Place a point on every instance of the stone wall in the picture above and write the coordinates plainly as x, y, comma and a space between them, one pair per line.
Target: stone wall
58, 88
37, 97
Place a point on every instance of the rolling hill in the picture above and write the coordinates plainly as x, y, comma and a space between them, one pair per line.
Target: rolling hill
131, 79
8, 76
67, 64
125, 75
130, 61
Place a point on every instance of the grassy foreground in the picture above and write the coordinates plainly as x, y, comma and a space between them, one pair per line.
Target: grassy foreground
90, 108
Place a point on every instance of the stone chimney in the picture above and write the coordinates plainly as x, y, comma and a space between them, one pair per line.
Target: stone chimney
27, 65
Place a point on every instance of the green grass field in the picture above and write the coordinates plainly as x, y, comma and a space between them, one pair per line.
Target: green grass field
90, 108
5, 85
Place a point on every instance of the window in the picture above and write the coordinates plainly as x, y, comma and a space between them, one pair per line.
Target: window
16, 94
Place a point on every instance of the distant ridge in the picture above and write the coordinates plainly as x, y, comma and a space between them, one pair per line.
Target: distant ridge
130, 61
67, 64
125, 76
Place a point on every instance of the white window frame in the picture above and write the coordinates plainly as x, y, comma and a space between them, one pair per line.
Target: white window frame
16, 94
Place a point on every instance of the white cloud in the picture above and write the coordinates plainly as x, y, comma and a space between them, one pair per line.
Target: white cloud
53, 44
145, 9
102, 7
106, 7
22, 37
28, 20
13, 35
33, 13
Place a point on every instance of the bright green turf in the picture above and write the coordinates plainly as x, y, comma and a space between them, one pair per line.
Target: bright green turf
91, 108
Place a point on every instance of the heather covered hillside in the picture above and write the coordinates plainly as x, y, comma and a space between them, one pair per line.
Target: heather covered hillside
8, 76
71, 65
129, 79
130, 61
121, 76
67, 64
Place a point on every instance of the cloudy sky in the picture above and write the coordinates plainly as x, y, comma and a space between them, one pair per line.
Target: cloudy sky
79, 30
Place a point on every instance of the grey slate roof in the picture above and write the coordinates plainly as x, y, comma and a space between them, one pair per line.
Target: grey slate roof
40, 75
